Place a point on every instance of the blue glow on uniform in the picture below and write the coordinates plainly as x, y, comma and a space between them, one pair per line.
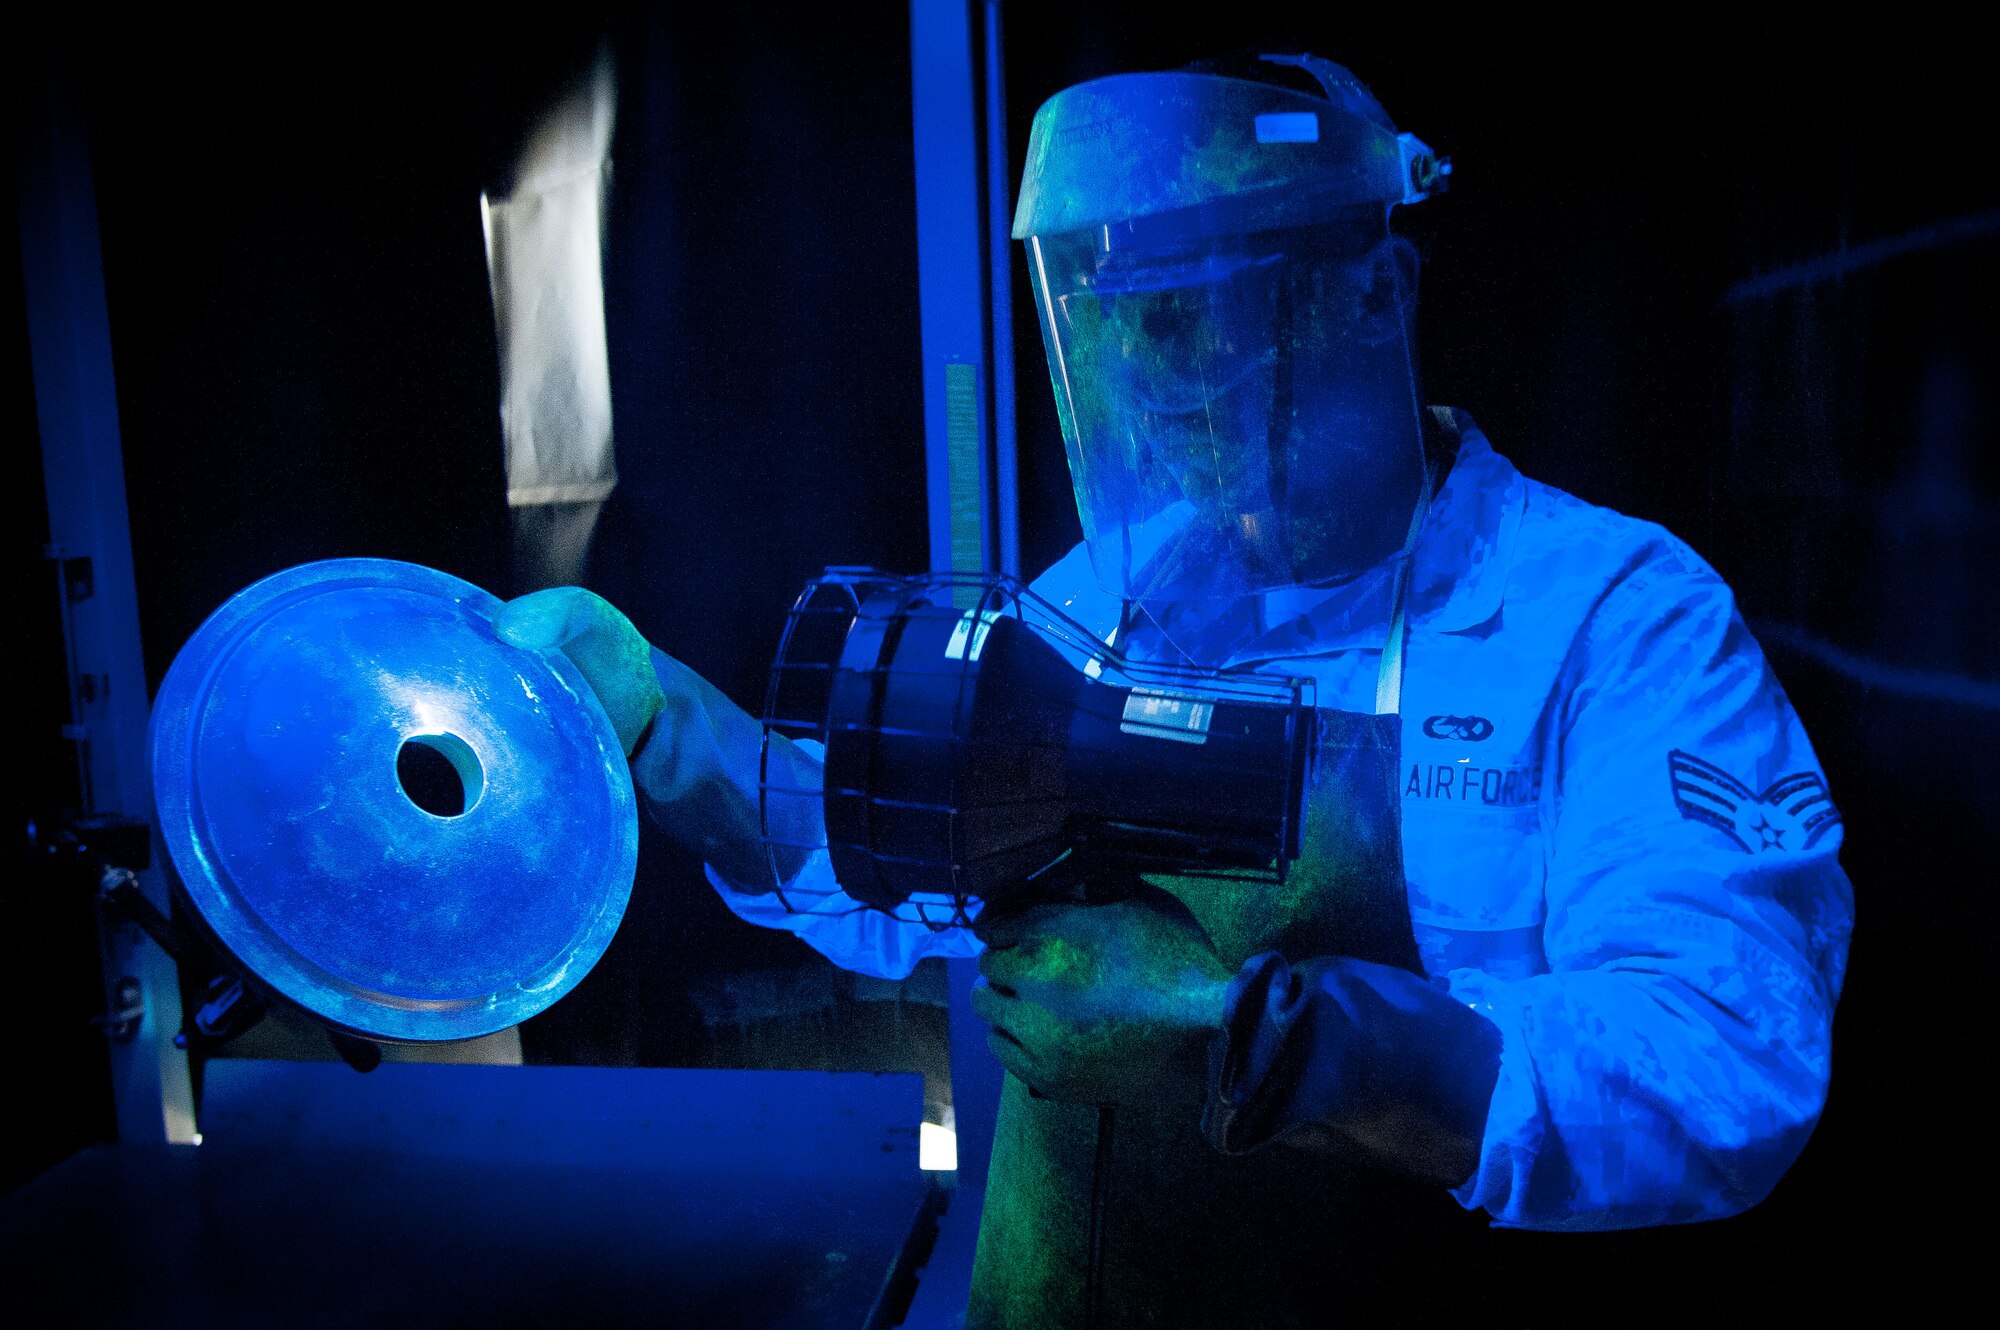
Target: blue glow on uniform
1665, 991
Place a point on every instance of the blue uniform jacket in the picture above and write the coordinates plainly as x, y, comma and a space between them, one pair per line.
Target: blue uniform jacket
1618, 842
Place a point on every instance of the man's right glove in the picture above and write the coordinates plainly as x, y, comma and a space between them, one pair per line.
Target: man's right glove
1335, 1053
695, 754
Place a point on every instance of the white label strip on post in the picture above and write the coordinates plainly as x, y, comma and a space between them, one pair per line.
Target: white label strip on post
965, 454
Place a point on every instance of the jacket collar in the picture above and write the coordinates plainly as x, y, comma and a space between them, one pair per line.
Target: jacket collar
1458, 583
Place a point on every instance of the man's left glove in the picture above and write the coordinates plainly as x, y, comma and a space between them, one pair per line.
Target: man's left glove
695, 754
1103, 1004
1337, 1054
613, 657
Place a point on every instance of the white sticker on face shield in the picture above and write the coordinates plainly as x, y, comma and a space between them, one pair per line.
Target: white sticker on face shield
1288, 127
1153, 713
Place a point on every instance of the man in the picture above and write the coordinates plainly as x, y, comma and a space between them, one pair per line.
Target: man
1567, 928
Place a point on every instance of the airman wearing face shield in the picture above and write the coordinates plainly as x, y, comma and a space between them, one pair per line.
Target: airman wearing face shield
1229, 333
1568, 924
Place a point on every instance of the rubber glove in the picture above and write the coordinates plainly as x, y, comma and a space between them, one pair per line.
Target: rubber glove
1335, 1053
613, 657
695, 754
1103, 1004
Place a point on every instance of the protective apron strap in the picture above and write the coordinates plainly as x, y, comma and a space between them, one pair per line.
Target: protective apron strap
1389, 679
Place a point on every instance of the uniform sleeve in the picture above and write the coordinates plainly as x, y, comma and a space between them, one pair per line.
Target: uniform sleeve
1672, 1063
697, 775
836, 925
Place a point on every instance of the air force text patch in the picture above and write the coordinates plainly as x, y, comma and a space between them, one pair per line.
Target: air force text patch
1464, 784
1792, 813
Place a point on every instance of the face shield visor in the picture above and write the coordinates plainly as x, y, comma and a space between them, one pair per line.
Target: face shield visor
1227, 318
1240, 412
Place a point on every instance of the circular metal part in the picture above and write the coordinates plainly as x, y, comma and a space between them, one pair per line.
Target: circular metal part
405, 826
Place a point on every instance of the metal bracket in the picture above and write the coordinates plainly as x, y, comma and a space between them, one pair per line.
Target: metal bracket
122, 1023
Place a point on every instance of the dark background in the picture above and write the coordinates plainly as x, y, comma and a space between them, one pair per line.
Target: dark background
1652, 284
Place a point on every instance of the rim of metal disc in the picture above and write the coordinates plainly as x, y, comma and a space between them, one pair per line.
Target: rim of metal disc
271, 961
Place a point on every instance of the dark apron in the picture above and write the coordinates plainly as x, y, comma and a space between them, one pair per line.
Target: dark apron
1102, 1219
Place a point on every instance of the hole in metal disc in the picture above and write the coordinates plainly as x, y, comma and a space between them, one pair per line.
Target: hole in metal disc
440, 773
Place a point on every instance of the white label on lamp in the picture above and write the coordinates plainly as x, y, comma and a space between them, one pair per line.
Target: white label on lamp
1288, 127
970, 631
961, 633
1153, 713
986, 622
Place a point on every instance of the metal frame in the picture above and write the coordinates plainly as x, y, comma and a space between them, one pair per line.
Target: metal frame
83, 466
963, 195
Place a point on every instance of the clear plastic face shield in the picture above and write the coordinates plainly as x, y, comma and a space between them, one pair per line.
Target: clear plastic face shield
1240, 413
1231, 351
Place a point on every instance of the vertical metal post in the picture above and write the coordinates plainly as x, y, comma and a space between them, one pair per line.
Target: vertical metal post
69, 339
999, 258
955, 294
951, 282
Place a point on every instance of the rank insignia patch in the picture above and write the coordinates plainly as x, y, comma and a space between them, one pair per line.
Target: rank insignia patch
1792, 813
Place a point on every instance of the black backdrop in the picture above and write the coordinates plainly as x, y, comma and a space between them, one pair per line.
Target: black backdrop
304, 348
